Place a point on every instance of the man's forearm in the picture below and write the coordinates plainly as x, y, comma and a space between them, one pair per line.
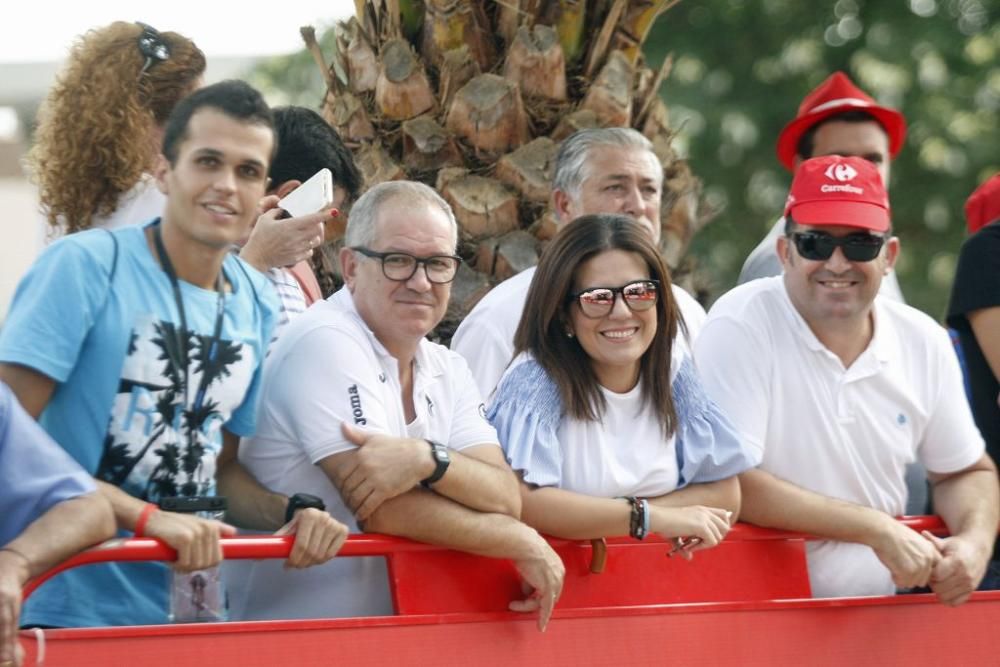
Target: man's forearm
481, 485
427, 517
774, 503
250, 504
65, 529
969, 504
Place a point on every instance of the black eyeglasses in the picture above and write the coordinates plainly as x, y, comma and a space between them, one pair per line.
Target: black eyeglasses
401, 266
817, 246
152, 46
596, 302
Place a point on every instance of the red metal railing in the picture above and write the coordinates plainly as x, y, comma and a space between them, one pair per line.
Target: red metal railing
590, 625
259, 547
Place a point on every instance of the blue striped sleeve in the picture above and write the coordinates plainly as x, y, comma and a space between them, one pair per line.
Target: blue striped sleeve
708, 446
526, 411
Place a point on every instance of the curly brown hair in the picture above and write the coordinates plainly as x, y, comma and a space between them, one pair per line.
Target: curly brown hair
95, 130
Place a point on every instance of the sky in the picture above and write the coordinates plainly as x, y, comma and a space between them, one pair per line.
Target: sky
44, 31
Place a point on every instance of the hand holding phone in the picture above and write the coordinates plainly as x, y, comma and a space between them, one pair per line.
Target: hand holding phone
314, 195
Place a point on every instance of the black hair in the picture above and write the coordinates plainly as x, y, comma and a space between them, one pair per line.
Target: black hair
807, 142
236, 99
306, 144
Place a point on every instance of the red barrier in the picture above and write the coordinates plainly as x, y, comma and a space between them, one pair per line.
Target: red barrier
751, 564
911, 630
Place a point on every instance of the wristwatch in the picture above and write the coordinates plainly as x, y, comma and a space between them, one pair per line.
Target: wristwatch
301, 501
441, 462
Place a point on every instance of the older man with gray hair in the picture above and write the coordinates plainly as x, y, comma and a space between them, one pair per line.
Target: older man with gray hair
387, 428
607, 170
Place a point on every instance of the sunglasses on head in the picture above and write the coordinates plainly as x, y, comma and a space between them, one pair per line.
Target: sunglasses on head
596, 302
152, 46
819, 246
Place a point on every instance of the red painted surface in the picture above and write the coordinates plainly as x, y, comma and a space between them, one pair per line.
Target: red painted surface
639, 611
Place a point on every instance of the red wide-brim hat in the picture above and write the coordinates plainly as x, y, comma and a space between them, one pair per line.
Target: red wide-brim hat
983, 205
836, 95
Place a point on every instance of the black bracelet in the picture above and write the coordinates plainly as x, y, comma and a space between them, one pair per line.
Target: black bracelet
637, 519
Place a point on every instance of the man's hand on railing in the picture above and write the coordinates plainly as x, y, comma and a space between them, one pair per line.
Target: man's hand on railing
195, 539
318, 537
960, 570
542, 573
13, 575
909, 556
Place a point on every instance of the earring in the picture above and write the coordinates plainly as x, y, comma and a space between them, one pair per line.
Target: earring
569, 334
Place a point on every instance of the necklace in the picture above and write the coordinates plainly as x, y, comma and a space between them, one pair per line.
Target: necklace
182, 332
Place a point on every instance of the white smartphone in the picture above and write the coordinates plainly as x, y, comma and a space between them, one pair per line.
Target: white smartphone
312, 196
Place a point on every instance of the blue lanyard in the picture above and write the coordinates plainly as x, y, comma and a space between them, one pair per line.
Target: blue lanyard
182, 331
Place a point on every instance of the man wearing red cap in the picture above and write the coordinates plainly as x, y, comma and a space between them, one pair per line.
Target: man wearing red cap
839, 389
836, 118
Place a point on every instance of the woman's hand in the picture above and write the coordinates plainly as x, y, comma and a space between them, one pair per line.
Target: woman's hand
697, 527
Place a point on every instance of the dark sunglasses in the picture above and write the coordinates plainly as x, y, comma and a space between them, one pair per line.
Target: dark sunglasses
152, 46
817, 246
596, 302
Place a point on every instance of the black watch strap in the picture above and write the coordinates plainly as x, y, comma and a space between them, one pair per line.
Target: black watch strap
441, 461
301, 501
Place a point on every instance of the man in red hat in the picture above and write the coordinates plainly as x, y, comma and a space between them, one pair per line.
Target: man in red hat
836, 118
838, 389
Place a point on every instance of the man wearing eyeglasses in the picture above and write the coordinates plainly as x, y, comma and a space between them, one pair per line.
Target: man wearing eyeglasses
360, 409
839, 388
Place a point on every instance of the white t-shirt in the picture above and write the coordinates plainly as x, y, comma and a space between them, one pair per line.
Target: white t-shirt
623, 454
486, 336
328, 367
844, 433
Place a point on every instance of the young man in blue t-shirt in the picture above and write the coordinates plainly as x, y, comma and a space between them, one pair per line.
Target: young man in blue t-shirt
140, 352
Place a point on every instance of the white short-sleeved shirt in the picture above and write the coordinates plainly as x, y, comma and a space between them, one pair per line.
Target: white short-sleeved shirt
486, 336
328, 367
846, 433
623, 454
140, 204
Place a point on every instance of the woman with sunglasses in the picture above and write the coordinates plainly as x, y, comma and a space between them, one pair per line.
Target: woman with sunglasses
601, 412
100, 127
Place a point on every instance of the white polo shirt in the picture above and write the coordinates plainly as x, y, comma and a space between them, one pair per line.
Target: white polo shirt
846, 433
328, 367
486, 336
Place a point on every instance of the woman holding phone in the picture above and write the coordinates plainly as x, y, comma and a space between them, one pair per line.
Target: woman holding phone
601, 412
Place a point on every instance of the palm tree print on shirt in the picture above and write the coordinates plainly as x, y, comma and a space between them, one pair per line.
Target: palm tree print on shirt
159, 444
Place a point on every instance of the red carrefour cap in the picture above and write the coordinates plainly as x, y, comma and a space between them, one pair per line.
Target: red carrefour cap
983, 206
837, 190
836, 95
